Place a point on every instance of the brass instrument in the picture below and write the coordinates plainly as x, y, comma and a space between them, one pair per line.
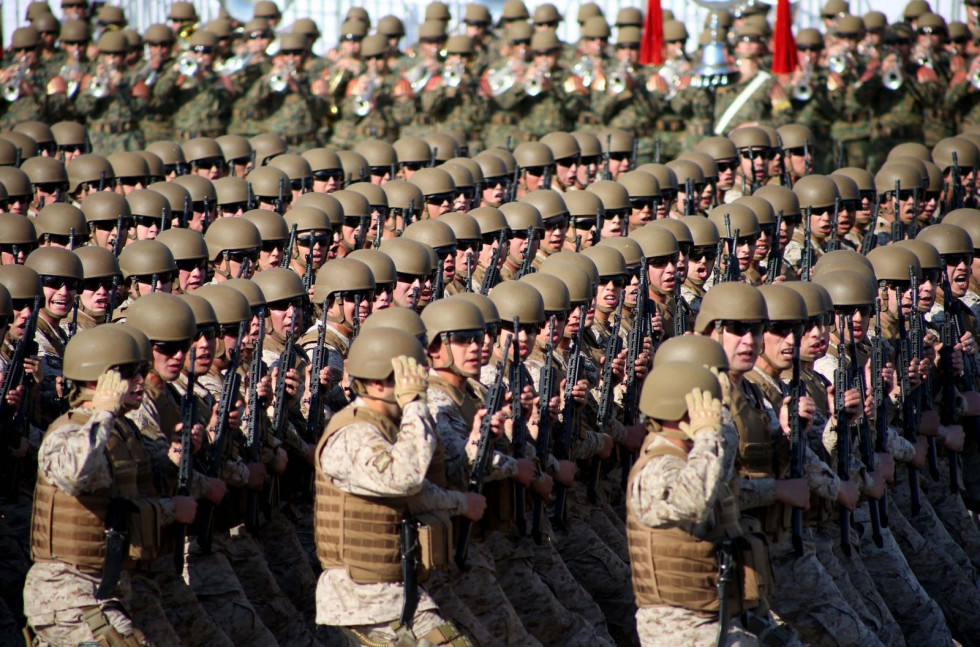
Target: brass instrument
184, 36
233, 64
366, 99
452, 74
98, 87
619, 81
584, 68
892, 76
279, 81
188, 64
974, 78
503, 78
837, 63
418, 76
534, 85
802, 91
69, 70
11, 89
672, 72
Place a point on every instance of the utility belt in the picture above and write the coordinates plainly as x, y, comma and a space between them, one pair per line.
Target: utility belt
110, 128
504, 119
670, 124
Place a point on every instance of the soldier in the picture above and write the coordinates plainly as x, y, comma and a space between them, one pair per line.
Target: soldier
160, 74
109, 101
414, 267
245, 117
104, 366
819, 199
190, 255
526, 230
662, 253
233, 249
390, 374
616, 207
61, 225
101, 276
452, 99
150, 212
27, 77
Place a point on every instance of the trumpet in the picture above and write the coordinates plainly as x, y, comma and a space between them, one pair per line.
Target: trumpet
974, 78
619, 81
452, 74
534, 85
893, 79
278, 81
233, 64
585, 69
69, 72
418, 76
837, 63
503, 78
187, 64
365, 100
802, 90
98, 87
11, 89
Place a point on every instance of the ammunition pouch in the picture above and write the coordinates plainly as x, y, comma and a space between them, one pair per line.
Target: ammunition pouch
106, 634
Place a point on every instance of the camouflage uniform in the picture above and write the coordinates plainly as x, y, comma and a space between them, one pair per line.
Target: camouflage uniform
293, 115
463, 109
392, 108
555, 109
35, 105
112, 121
201, 104
635, 110
157, 119
245, 114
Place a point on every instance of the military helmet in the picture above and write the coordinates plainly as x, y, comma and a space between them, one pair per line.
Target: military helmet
55, 261
676, 227
202, 148
22, 142
640, 184
847, 288
249, 289
230, 190
583, 206
967, 155
703, 231
595, 27
796, 136
891, 264
846, 187
391, 27
686, 169
378, 153
656, 242
325, 202
491, 166
470, 165
783, 304
400, 318
306, 219
343, 275
461, 175
521, 215
97, 262
947, 239
162, 317
203, 312
809, 37
159, 34
434, 233
928, 255
144, 258
664, 394
451, 315
718, 147
520, 300
59, 219
544, 42
270, 224
170, 152
150, 204
609, 262
554, 292
22, 282
476, 14
323, 159
588, 143
762, 209
184, 244
410, 257
629, 248
615, 141
750, 137
16, 182
433, 181
45, 170
91, 353
465, 227
413, 150
581, 287
234, 147
862, 177
730, 302
781, 198
444, 147
907, 177
917, 150
155, 168
280, 284
266, 147
533, 154
966, 219
614, 196
91, 169
514, 10
563, 146
266, 182
741, 219
403, 195
692, 348
353, 204
381, 266
633, 17
231, 234
353, 165
490, 219
816, 191
709, 167
199, 188
914, 162
548, 202
70, 133
296, 168
843, 259
483, 302
370, 355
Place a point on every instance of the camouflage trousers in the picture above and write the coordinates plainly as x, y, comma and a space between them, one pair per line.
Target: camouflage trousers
664, 626
186, 615
957, 520
550, 603
276, 611
918, 615
938, 562
147, 611
423, 623
221, 594
808, 598
440, 586
72, 628
288, 562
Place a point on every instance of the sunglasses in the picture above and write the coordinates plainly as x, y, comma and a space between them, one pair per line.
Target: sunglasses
285, 304
850, 311
232, 207
269, 246
171, 348
491, 237
208, 163
21, 304
727, 165
931, 276
440, 198
662, 261
384, 288
109, 225
583, 224
952, 260
94, 285
309, 240
466, 337
130, 371
520, 234
809, 48
556, 223
130, 181
767, 154
703, 253
643, 203
742, 241
163, 277
352, 297
241, 255
784, 328
146, 221
51, 187
191, 264
742, 328
58, 282
617, 281
468, 245
324, 176
530, 329
206, 332
494, 182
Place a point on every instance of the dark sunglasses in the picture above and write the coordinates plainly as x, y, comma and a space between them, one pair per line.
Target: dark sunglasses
617, 281
58, 282
642, 203
767, 154
93, 285
171, 348
466, 337
21, 304
439, 198
850, 311
270, 246
530, 329
324, 176
469, 245
742, 328
703, 253
494, 182
785, 328
662, 261
130, 371
109, 225
163, 277
191, 264
146, 221
285, 304
727, 165
556, 223
952, 260
241, 255
207, 332
231, 207
309, 240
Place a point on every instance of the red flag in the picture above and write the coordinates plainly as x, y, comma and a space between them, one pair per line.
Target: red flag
784, 46
652, 45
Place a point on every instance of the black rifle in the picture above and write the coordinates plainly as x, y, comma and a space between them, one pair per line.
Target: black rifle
116, 546
164, 219
680, 312
841, 384
492, 276
218, 454
870, 239
281, 197
774, 262
909, 405
73, 326
797, 452
954, 194
690, 200
806, 257
605, 405
320, 359
606, 174
787, 175
865, 444
468, 284
416, 293
287, 359
634, 347
600, 221
516, 382
439, 287
71, 239
187, 214
308, 269
382, 219
546, 390
361, 234
879, 402
116, 278
947, 414
563, 448
898, 228
916, 336
732, 270
188, 418
249, 197
833, 242
528, 257
287, 252
121, 235
484, 453
15, 422
410, 557
253, 438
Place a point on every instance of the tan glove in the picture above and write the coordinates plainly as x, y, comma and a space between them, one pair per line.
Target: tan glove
109, 392
411, 380
704, 413
726, 386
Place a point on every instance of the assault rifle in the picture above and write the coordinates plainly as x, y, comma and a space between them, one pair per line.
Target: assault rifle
321, 357
634, 347
287, 359
516, 381
287, 252
612, 347
253, 439
15, 376
528, 257
546, 390
797, 452
879, 401
909, 400
606, 174
121, 234
732, 270
73, 326
916, 335
806, 257
492, 276
111, 306
841, 383
563, 448
833, 242
870, 239
774, 262
188, 418
484, 453
952, 333
680, 312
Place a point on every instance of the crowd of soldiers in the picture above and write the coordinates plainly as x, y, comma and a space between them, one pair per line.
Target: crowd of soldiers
485, 371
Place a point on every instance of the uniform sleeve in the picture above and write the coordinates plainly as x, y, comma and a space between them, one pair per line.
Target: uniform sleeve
823, 481
437, 499
72, 457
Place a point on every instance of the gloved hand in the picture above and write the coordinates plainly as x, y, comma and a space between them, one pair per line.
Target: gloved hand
704, 412
109, 392
411, 380
726, 386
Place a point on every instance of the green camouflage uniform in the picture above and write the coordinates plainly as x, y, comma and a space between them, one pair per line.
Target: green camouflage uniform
555, 109
294, 116
455, 109
384, 119
203, 104
36, 105
818, 114
634, 110
157, 120
244, 111
112, 120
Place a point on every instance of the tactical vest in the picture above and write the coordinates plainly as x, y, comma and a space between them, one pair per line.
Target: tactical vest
757, 455
361, 533
674, 568
71, 529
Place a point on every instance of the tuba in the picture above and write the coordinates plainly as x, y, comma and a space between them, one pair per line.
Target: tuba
11, 89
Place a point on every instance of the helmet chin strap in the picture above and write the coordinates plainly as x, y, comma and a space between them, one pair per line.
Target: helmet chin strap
451, 366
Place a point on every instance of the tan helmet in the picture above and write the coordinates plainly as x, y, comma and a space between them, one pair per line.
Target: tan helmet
783, 304
533, 155
762, 209
370, 355
608, 262
948, 239
306, 219
270, 224
704, 233
697, 349
846, 187
462, 177
451, 315
664, 174
170, 152
444, 146
267, 146
862, 177
266, 182
666, 397
477, 14
231, 234
583, 207
843, 259
324, 202
491, 166
629, 248
145, 258
93, 352
413, 150
434, 233
280, 284
433, 181
97, 263
686, 169
45, 170
296, 168
470, 165
565, 258
730, 302
718, 147
966, 219
640, 184
928, 255
847, 288
22, 282
891, 264
375, 195
409, 256
343, 275
19, 230
907, 177
588, 144
816, 192
61, 219
490, 219
378, 153
709, 167
966, 152
403, 195
796, 136
518, 300
354, 204
563, 146
391, 27
354, 166
148, 204
24, 143
70, 134
200, 188
162, 317
202, 148
400, 318
381, 266
184, 244
680, 230
230, 190
656, 242
750, 137
204, 315
549, 203
55, 261
809, 37
234, 148
782, 199
250, 290
89, 169
917, 150
674, 31
554, 292
614, 196
741, 219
